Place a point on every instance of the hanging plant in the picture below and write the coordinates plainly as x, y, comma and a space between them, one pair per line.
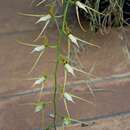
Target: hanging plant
98, 18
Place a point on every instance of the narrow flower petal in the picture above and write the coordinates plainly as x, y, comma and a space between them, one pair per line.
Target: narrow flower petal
42, 31
70, 69
44, 18
73, 39
68, 97
91, 44
41, 2
38, 48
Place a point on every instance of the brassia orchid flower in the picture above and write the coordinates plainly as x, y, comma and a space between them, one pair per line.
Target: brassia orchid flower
40, 106
81, 6
38, 48
70, 69
45, 18
86, 8
40, 80
68, 97
75, 40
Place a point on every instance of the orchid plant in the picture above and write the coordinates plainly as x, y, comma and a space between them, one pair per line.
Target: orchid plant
61, 59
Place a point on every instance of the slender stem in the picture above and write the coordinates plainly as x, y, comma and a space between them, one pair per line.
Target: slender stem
65, 15
54, 97
55, 83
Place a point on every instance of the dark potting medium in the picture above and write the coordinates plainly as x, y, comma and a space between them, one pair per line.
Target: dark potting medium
105, 4
126, 11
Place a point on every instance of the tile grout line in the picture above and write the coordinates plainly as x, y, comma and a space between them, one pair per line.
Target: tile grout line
118, 77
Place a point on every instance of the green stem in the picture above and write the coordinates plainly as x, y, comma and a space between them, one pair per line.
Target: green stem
56, 83
65, 15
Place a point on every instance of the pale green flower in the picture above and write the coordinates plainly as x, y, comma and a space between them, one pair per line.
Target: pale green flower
40, 106
86, 8
70, 69
75, 40
38, 48
44, 18
81, 6
68, 97
40, 80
